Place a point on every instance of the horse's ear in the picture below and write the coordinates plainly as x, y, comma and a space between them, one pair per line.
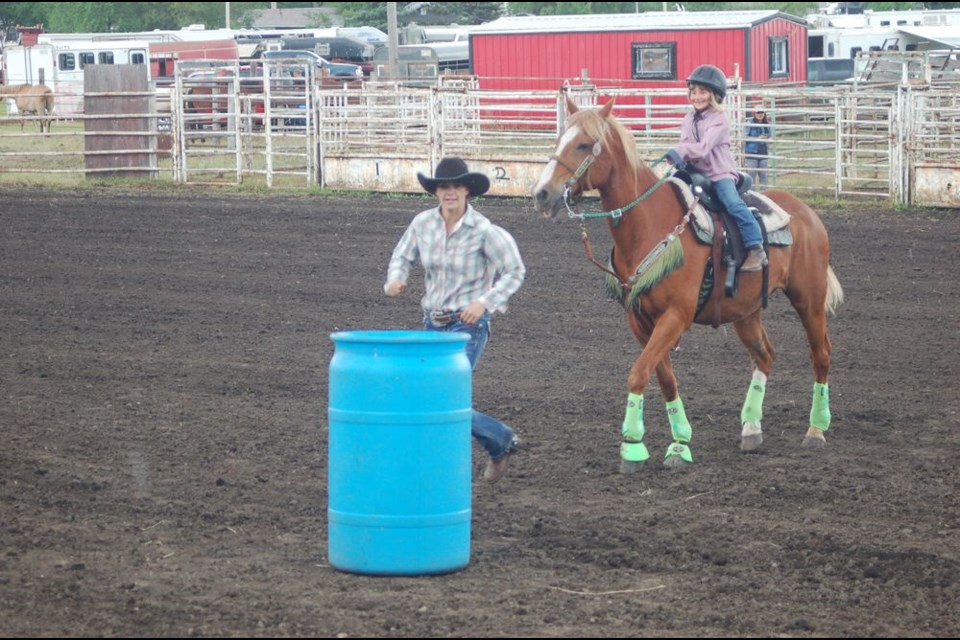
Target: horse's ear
571, 106
607, 108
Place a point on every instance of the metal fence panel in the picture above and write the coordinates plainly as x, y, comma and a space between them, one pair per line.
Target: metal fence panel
931, 147
235, 122
226, 125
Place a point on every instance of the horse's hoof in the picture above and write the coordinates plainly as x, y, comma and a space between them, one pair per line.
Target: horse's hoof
678, 456
751, 437
814, 439
751, 443
627, 467
632, 456
676, 463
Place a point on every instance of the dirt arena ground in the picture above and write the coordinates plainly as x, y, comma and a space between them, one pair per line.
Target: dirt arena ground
163, 399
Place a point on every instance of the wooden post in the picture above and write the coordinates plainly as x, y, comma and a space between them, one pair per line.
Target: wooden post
124, 144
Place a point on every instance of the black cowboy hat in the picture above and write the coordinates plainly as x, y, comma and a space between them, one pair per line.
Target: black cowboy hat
455, 170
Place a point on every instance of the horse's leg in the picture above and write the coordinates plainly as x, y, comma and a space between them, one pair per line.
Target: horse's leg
754, 337
820, 349
633, 453
654, 357
813, 315
678, 453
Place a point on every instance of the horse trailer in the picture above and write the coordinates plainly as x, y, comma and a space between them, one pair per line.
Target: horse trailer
59, 63
60, 66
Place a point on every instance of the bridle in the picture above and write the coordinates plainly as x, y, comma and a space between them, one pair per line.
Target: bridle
582, 170
576, 175
616, 214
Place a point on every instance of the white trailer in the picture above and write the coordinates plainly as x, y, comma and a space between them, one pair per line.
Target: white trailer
847, 35
60, 65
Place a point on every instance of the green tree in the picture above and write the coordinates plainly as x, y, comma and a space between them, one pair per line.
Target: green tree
78, 17
374, 14
550, 8
466, 12
359, 14
100, 17
21, 13
799, 9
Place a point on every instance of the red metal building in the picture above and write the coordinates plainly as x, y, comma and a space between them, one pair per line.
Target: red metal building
164, 56
657, 49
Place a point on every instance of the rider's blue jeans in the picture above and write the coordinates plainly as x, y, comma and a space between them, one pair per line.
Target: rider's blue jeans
495, 437
726, 190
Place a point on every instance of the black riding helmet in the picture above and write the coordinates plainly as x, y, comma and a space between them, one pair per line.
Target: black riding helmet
712, 78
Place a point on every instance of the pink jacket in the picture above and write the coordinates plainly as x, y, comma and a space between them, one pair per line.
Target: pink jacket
705, 143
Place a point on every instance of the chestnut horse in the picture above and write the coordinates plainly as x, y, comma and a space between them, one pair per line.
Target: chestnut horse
35, 99
648, 220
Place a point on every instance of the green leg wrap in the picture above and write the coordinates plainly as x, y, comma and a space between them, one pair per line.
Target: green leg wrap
632, 449
678, 449
820, 411
681, 430
753, 404
679, 425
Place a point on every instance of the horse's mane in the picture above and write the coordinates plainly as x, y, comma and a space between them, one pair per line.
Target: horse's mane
604, 130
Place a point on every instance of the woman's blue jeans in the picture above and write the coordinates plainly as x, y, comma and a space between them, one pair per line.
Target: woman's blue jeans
757, 168
495, 437
726, 190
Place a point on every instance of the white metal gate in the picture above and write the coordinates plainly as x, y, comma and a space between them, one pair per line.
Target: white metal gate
236, 120
231, 125
867, 144
931, 146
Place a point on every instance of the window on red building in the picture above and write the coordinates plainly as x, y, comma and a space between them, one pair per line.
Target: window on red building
778, 57
654, 61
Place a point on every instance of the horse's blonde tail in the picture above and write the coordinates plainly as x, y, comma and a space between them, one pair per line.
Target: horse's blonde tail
834, 292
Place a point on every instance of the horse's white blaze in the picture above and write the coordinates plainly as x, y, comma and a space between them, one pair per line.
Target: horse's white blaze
545, 176
567, 137
551, 167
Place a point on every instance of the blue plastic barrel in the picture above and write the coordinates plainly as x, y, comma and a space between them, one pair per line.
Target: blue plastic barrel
399, 452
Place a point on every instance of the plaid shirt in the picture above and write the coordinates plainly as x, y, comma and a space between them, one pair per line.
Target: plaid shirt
478, 262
